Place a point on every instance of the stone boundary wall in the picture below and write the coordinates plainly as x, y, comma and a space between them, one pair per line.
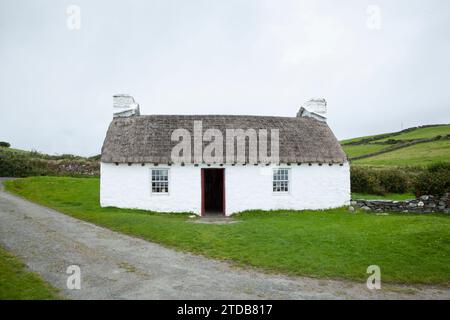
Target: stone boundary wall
74, 168
424, 204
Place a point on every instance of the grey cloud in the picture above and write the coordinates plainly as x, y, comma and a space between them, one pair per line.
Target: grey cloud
218, 57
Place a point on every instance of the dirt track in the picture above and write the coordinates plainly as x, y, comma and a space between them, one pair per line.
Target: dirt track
116, 266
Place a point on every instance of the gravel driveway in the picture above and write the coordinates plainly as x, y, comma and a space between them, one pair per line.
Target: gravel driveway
116, 266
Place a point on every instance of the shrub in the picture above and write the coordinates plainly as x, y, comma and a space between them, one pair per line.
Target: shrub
19, 165
437, 167
435, 181
96, 157
364, 180
393, 180
5, 144
393, 141
12, 165
379, 181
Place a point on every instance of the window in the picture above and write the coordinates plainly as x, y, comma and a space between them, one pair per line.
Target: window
160, 180
281, 180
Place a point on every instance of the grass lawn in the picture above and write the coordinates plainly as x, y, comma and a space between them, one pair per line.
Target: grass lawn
421, 154
388, 196
362, 149
16, 283
332, 243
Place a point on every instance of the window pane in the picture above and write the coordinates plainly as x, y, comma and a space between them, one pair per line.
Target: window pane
280, 181
160, 180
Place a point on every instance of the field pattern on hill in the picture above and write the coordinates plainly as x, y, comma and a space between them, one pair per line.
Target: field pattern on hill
418, 146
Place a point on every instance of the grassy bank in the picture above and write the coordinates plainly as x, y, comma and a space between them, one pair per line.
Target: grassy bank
332, 243
16, 283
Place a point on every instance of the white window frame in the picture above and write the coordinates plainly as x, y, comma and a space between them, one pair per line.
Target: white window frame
151, 182
288, 170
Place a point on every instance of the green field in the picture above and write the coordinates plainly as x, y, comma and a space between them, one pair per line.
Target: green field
416, 133
359, 150
422, 133
358, 139
419, 155
326, 244
422, 154
16, 283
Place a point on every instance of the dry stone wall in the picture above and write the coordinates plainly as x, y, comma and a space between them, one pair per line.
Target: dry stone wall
424, 204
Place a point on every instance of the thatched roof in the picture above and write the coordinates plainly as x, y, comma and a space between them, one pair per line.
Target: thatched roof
147, 139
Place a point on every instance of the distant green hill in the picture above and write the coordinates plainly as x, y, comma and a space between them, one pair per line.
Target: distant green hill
418, 146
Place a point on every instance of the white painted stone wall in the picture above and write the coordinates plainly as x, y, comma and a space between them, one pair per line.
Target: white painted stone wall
127, 186
247, 187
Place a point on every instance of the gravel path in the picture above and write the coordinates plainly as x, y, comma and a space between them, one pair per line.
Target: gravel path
116, 266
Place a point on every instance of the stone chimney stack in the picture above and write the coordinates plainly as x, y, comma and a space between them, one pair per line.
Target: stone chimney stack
314, 108
125, 106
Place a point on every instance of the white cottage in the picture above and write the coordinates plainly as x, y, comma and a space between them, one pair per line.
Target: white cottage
189, 163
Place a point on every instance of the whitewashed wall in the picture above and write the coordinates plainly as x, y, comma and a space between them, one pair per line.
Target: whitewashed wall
247, 187
311, 187
126, 186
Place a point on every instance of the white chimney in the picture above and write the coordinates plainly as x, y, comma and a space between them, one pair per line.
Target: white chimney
125, 106
314, 108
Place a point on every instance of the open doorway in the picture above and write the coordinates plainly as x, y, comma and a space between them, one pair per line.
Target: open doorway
213, 192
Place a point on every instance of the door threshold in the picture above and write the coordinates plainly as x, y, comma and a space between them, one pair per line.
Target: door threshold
215, 220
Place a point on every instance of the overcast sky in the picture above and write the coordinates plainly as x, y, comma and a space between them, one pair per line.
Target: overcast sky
379, 64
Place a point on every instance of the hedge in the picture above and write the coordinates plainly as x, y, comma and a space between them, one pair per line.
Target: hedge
379, 181
17, 165
434, 181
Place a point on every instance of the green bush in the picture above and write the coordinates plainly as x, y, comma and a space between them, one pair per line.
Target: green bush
12, 165
5, 144
96, 157
379, 181
392, 141
393, 180
365, 181
441, 166
435, 181
23, 165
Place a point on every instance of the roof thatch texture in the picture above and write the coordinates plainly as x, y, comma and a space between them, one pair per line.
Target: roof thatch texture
147, 139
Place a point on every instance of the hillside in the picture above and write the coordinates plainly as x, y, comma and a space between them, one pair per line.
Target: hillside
21, 163
417, 146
